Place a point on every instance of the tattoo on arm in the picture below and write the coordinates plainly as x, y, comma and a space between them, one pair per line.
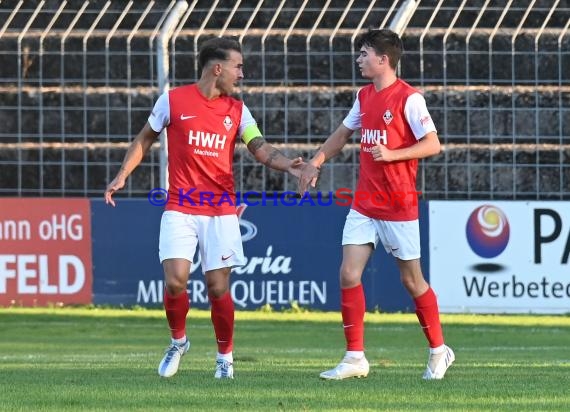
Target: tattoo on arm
255, 144
271, 152
274, 154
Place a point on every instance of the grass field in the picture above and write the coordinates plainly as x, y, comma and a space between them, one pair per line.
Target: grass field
103, 359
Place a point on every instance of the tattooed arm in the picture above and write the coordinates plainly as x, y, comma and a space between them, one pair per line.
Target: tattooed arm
273, 158
268, 155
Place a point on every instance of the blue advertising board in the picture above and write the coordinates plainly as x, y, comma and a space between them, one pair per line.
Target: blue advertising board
293, 255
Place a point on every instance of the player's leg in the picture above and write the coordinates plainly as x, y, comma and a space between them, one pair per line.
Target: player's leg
441, 356
177, 246
176, 302
358, 241
403, 239
221, 249
222, 316
424, 299
353, 304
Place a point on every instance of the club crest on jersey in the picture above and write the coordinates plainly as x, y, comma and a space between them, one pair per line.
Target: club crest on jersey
228, 123
388, 117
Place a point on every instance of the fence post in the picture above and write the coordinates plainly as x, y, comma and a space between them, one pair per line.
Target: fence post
162, 68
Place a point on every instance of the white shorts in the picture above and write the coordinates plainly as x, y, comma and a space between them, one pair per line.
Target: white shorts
218, 238
401, 239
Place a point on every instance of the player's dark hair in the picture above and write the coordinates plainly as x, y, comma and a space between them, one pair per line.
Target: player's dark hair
217, 48
383, 41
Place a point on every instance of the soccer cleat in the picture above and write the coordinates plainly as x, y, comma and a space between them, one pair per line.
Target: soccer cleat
348, 368
169, 364
224, 369
438, 364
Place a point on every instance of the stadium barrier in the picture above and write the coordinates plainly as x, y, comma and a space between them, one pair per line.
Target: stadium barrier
480, 256
293, 255
45, 252
500, 257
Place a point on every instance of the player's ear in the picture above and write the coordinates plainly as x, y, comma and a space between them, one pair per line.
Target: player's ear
217, 68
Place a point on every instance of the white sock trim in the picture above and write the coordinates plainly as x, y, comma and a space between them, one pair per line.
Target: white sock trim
180, 341
355, 354
228, 357
438, 350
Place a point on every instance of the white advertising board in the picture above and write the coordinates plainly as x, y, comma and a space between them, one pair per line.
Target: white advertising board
500, 257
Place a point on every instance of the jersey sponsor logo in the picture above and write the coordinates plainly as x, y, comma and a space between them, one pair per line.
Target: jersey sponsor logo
228, 123
182, 117
374, 136
226, 257
206, 140
388, 117
202, 152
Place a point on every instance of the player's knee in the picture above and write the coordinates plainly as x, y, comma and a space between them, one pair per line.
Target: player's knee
217, 286
175, 287
407, 281
217, 290
413, 283
349, 277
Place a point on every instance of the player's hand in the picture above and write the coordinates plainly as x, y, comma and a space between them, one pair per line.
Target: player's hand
381, 153
117, 184
309, 176
295, 166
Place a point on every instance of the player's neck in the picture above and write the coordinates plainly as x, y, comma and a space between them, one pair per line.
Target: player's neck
384, 81
208, 88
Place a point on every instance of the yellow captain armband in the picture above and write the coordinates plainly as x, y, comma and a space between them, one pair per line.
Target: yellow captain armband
250, 133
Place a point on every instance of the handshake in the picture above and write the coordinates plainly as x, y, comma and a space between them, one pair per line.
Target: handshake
307, 173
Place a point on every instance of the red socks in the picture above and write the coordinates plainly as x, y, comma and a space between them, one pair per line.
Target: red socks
428, 315
353, 307
222, 314
176, 308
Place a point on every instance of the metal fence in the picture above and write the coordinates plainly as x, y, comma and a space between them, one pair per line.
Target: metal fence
78, 80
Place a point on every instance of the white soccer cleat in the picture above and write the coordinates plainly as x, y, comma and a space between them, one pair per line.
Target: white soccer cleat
224, 369
438, 364
348, 368
169, 364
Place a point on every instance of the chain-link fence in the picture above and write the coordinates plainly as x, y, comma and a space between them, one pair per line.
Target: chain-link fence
79, 78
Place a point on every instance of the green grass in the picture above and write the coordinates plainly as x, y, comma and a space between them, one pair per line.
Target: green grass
103, 359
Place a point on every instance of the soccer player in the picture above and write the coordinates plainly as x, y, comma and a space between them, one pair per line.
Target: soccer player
396, 130
203, 123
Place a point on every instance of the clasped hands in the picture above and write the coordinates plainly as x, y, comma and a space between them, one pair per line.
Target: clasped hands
306, 172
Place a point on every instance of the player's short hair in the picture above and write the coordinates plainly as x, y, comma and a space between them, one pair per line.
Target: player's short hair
383, 41
217, 48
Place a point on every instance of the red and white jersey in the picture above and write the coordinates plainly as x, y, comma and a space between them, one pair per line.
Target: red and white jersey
396, 117
201, 136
